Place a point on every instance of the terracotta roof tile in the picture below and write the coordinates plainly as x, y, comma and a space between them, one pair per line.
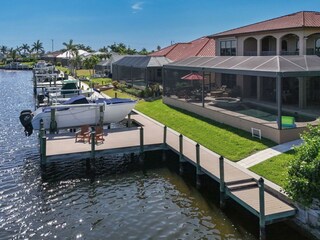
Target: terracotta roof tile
200, 47
295, 20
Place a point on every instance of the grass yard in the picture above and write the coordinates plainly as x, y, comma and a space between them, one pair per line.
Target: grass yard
230, 142
84, 72
275, 169
111, 93
101, 81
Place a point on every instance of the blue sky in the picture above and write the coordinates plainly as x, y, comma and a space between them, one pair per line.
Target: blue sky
145, 23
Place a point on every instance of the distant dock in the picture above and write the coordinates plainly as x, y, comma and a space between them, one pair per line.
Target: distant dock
235, 183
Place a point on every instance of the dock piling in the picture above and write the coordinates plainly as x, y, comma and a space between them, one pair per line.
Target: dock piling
198, 170
129, 120
141, 140
42, 130
93, 145
115, 95
165, 135
181, 158
53, 122
101, 115
43, 150
222, 183
262, 222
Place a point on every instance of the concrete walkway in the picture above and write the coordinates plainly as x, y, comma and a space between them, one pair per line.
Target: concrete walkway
268, 153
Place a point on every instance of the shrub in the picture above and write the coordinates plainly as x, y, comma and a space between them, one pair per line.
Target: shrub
303, 174
58, 64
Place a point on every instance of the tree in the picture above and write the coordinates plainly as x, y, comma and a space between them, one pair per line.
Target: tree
144, 51
91, 62
25, 47
303, 174
120, 48
13, 54
75, 62
4, 50
71, 47
37, 46
158, 48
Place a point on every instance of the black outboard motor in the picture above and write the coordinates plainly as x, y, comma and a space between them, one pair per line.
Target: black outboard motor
25, 119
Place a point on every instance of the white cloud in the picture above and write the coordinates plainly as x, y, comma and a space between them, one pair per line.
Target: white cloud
137, 7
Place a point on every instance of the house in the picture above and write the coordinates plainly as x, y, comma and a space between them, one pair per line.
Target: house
271, 64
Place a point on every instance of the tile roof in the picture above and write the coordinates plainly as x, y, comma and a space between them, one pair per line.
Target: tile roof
203, 46
295, 20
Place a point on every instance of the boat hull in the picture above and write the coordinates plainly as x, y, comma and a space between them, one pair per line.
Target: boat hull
69, 117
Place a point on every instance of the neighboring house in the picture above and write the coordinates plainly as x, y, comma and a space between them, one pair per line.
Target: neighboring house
203, 46
265, 63
139, 70
51, 56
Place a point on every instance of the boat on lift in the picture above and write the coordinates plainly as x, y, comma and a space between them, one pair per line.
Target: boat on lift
76, 112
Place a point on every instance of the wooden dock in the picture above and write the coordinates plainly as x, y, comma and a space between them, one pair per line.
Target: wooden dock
234, 182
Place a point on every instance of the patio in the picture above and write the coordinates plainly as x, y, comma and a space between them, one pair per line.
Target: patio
288, 85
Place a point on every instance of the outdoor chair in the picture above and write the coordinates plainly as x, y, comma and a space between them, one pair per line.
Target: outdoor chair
99, 135
83, 134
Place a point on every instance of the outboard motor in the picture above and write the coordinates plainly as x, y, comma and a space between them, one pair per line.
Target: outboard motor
25, 119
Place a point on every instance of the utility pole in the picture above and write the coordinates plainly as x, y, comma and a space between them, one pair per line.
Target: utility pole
52, 44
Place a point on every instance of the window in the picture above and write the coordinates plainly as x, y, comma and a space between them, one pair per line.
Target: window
228, 48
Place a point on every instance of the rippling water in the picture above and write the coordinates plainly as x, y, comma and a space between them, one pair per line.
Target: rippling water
118, 201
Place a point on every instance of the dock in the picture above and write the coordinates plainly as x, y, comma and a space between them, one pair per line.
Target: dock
150, 135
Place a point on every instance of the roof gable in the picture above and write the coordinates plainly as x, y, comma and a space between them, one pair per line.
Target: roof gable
200, 47
295, 20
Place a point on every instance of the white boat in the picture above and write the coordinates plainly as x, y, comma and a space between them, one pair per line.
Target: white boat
78, 111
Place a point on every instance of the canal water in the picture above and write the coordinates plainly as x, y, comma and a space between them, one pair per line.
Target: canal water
122, 199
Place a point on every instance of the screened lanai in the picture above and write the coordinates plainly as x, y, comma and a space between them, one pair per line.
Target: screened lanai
139, 71
275, 82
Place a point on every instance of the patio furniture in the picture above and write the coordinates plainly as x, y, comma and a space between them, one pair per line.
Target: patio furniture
83, 134
99, 136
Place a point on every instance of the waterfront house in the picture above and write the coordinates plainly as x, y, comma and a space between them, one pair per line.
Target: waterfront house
273, 64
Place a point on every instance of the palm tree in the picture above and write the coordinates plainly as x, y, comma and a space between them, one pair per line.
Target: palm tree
19, 49
75, 62
90, 63
37, 46
71, 47
4, 50
25, 47
13, 54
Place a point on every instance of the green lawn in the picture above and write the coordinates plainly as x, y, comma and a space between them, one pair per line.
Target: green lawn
111, 93
230, 142
275, 169
63, 69
101, 81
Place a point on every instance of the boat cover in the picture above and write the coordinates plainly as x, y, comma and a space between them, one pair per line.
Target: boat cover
79, 99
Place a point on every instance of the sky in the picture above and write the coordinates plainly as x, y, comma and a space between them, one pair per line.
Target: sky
138, 24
